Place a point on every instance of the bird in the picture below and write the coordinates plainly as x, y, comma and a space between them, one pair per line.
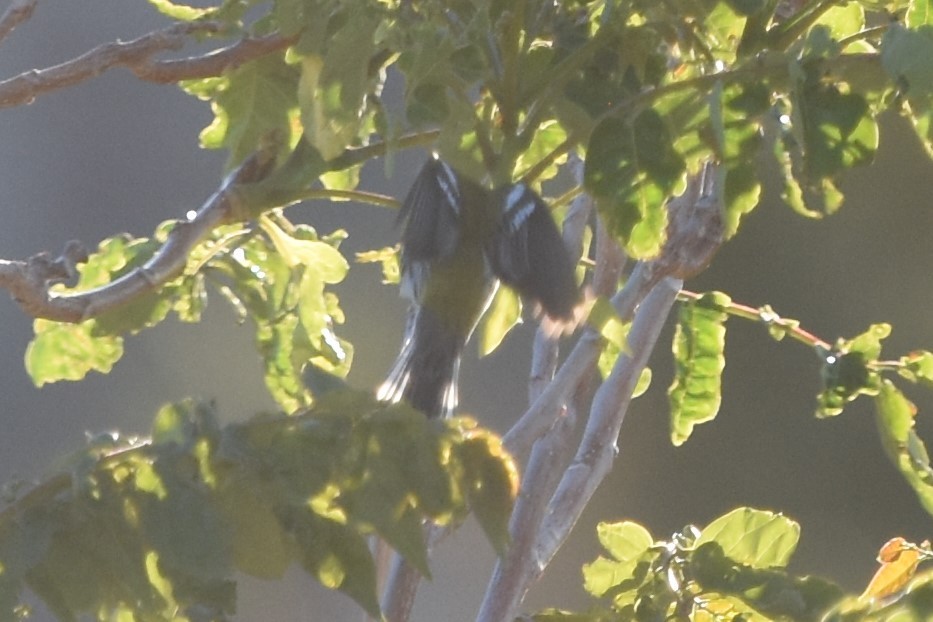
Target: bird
459, 240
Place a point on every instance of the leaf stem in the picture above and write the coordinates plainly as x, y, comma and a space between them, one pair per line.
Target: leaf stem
765, 316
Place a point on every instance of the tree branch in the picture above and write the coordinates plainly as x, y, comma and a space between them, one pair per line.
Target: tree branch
213, 63
598, 447
17, 13
136, 55
539, 528
29, 281
590, 465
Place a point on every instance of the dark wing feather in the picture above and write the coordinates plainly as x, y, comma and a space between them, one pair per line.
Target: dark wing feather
430, 214
528, 253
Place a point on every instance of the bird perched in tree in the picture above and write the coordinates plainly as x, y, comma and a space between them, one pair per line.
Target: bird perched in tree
459, 240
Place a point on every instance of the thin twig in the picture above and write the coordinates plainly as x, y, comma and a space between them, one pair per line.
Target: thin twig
17, 13
401, 588
213, 63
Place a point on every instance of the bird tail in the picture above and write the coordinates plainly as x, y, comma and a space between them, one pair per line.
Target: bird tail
425, 372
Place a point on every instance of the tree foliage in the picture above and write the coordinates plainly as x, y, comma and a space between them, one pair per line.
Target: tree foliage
647, 97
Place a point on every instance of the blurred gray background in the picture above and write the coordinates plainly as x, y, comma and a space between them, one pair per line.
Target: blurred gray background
115, 155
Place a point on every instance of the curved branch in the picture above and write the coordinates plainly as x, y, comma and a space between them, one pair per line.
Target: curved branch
136, 55
29, 281
213, 63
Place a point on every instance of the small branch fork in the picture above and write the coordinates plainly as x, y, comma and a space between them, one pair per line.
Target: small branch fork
29, 281
136, 55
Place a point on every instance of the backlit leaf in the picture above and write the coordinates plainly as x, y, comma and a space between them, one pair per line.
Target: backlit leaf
755, 538
504, 313
632, 168
699, 340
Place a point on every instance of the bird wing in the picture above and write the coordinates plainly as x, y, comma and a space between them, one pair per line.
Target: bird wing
431, 212
527, 252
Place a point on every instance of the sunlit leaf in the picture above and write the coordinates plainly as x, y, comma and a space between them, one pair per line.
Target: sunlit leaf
504, 313
249, 102
181, 12
755, 538
548, 137
493, 487
388, 258
69, 352
918, 367
627, 543
699, 340
335, 79
895, 418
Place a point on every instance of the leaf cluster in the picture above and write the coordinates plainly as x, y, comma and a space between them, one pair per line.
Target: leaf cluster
155, 529
274, 274
734, 569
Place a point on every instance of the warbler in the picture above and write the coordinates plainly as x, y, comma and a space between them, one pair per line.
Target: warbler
459, 240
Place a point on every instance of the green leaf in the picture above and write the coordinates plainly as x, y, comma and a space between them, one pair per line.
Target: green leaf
280, 279
547, 138
869, 343
144, 531
723, 26
632, 168
388, 257
744, 108
249, 103
345, 179
492, 485
845, 20
181, 12
334, 81
755, 538
504, 313
895, 416
339, 558
846, 372
699, 340
261, 547
427, 104
829, 130
69, 351
919, 13
918, 367
627, 543
603, 318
